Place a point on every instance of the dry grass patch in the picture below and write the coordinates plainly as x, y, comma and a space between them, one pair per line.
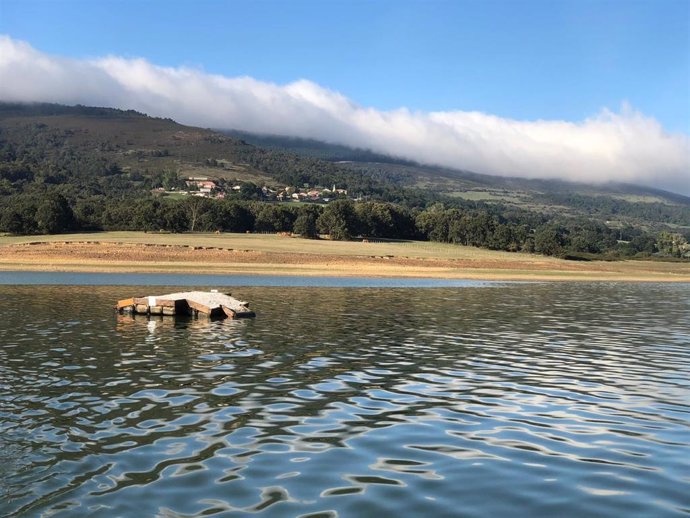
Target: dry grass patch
273, 243
265, 254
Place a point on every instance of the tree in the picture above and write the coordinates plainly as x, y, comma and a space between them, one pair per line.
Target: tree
305, 224
435, 224
54, 215
171, 181
376, 219
250, 191
195, 207
273, 218
503, 238
174, 217
548, 240
235, 217
17, 221
672, 244
643, 243
479, 226
339, 220
146, 214
88, 213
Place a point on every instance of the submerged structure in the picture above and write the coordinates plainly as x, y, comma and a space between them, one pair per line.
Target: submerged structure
189, 303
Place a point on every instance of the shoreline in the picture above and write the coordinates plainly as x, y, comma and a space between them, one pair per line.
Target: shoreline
238, 254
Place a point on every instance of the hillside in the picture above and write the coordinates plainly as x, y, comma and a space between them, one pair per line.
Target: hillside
133, 141
148, 146
75, 139
617, 201
83, 168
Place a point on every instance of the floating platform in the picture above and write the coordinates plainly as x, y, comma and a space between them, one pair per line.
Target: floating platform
189, 303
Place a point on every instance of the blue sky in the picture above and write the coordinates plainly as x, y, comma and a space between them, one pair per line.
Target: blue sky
581, 90
525, 60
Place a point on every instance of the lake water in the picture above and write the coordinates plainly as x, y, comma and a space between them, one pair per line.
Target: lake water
480, 400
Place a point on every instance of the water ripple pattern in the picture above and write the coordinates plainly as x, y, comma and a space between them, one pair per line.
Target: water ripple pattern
532, 400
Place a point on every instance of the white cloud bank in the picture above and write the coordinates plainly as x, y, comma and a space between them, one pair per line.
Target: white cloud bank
625, 146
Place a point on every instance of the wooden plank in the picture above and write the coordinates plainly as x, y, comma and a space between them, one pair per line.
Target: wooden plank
124, 303
158, 301
228, 312
201, 308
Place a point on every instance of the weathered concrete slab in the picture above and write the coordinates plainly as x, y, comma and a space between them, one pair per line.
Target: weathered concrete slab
211, 303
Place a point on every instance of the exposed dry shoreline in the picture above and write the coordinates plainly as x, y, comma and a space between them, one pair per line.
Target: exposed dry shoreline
228, 254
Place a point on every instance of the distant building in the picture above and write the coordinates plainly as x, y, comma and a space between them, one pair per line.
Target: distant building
202, 186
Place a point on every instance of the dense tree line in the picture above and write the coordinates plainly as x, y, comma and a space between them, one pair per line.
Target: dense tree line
340, 220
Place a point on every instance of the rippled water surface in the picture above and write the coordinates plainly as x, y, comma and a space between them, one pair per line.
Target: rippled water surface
532, 400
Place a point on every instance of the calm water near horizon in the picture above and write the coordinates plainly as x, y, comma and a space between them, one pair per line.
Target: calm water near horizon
199, 280
476, 399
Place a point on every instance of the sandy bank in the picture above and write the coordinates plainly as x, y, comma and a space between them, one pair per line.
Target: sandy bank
269, 255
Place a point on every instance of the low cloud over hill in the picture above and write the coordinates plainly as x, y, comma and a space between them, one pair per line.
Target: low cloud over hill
622, 145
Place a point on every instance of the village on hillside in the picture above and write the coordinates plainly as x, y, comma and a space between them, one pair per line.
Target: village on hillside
206, 187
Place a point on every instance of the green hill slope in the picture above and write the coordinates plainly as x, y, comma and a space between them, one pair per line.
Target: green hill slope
65, 168
606, 201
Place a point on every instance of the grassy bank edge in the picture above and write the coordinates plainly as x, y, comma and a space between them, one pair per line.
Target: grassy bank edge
532, 267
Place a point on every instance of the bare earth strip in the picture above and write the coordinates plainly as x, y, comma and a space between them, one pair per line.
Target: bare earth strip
277, 255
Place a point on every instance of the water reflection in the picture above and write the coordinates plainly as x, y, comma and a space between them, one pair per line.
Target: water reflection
552, 399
